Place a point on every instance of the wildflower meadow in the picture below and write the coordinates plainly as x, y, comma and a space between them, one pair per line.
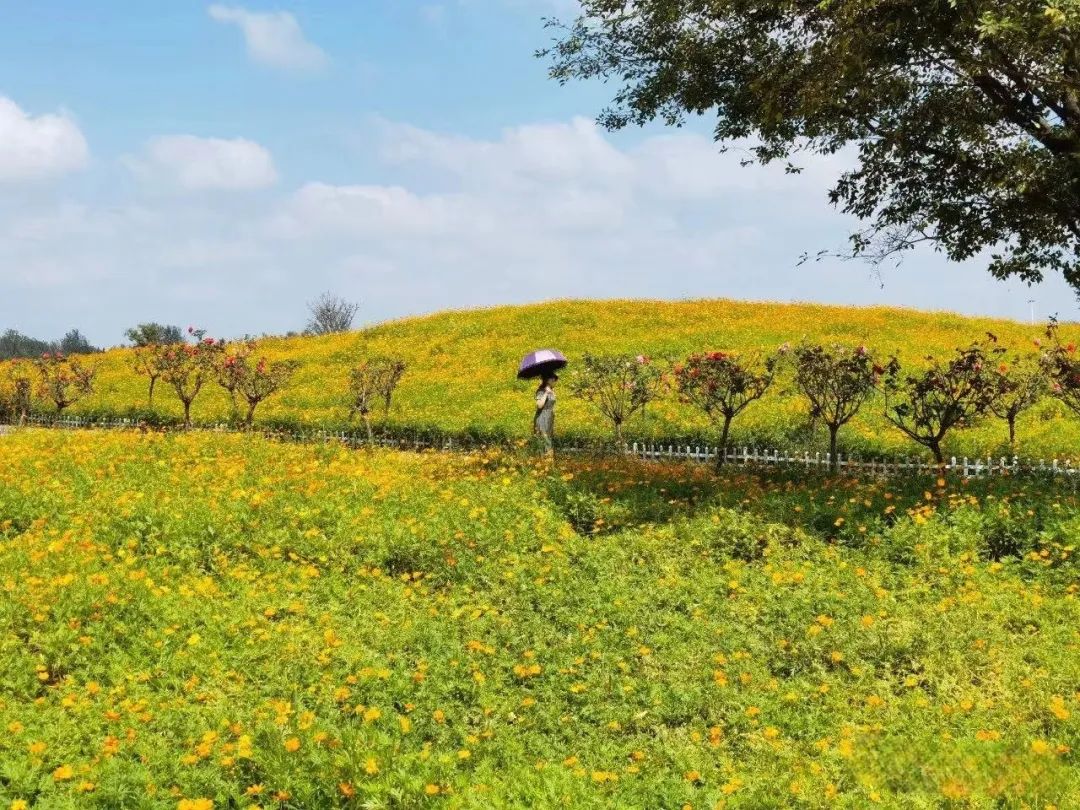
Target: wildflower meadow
200, 620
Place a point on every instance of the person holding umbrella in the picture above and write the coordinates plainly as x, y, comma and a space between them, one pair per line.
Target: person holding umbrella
542, 365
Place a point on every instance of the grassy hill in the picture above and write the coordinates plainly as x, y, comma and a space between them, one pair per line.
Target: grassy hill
462, 365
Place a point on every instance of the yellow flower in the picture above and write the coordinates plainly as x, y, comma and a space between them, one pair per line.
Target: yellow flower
1040, 747
292, 744
371, 767
18, 804
195, 804
63, 773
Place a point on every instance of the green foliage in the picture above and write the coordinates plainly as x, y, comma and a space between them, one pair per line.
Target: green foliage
722, 385
837, 381
926, 405
63, 380
618, 386
153, 334
964, 116
371, 382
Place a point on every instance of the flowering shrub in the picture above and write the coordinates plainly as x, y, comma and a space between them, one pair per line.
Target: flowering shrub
1062, 366
722, 385
836, 380
1023, 382
926, 405
64, 380
187, 367
618, 386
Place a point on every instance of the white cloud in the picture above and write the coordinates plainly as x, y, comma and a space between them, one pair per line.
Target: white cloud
539, 211
273, 38
193, 164
38, 146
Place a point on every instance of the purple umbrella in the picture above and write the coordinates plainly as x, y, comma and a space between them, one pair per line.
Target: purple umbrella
540, 363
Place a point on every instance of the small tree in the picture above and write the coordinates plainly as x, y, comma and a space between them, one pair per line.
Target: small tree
153, 334
147, 362
836, 381
392, 373
64, 380
723, 385
1062, 367
370, 382
617, 385
187, 368
1022, 383
926, 405
329, 314
254, 380
231, 368
20, 391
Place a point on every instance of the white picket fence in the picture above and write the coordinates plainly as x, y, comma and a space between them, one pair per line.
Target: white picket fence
967, 467
1063, 469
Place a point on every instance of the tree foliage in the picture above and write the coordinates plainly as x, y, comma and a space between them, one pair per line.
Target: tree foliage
837, 381
925, 405
254, 380
373, 382
1023, 381
1063, 368
186, 367
14, 344
722, 385
619, 386
64, 380
153, 334
963, 118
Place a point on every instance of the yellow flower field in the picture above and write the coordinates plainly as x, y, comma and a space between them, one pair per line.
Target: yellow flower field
210, 621
462, 365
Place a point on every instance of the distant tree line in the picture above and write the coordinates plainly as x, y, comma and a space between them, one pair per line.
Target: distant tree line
14, 344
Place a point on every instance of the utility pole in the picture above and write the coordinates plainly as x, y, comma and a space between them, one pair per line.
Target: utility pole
1031, 304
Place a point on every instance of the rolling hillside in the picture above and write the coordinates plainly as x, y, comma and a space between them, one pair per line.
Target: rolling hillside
462, 364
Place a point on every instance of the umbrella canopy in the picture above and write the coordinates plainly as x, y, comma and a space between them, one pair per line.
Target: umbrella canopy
539, 363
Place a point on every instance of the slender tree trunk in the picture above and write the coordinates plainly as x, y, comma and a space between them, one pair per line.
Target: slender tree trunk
723, 441
618, 433
187, 414
370, 434
1012, 432
150, 403
249, 420
935, 448
834, 464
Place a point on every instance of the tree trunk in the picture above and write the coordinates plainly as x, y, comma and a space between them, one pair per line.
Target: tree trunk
249, 420
834, 463
370, 434
1012, 432
150, 403
723, 442
935, 448
618, 433
187, 414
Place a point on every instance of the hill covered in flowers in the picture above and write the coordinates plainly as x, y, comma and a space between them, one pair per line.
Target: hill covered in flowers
461, 367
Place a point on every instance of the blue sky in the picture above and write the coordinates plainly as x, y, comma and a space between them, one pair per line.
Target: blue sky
221, 164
